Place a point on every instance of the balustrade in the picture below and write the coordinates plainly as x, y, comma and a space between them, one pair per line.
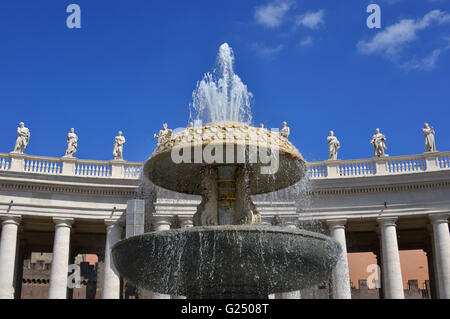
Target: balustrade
317, 170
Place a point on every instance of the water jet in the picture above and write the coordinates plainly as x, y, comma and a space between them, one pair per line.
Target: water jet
227, 254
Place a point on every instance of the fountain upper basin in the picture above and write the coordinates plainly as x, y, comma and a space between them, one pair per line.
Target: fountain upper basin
226, 261
234, 139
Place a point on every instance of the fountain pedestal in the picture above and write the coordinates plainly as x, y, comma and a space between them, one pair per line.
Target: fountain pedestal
226, 191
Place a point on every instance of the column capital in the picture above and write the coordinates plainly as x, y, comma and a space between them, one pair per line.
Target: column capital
439, 218
162, 221
11, 219
290, 223
187, 222
387, 221
110, 222
63, 221
336, 223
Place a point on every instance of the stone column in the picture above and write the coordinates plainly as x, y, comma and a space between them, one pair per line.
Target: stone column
429, 250
8, 245
60, 258
111, 278
160, 225
340, 287
441, 239
391, 270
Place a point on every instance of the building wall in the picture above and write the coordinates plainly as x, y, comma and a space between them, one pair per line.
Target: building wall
413, 262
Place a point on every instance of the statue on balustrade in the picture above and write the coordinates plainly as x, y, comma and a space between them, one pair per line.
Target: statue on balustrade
72, 143
333, 146
285, 131
430, 144
118, 146
164, 135
378, 142
23, 137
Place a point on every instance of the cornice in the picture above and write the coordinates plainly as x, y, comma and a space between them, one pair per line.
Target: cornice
379, 188
124, 191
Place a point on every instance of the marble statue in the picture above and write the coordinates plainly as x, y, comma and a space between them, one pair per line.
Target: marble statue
430, 144
118, 146
164, 135
23, 137
285, 131
378, 141
72, 143
333, 146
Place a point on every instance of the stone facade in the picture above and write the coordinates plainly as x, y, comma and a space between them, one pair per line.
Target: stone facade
68, 207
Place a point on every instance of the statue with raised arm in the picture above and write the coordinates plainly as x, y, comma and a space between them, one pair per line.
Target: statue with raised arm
23, 137
164, 135
118, 146
378, 141
333, 146
428, 132
285, 131
72, 143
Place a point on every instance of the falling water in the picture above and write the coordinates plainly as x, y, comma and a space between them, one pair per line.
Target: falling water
221, 95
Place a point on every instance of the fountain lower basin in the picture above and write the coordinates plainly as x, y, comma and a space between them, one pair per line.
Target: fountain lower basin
226, 261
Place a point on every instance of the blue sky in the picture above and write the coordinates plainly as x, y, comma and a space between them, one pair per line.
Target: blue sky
134, 64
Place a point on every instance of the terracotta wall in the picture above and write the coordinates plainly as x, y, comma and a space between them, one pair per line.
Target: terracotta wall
414, 266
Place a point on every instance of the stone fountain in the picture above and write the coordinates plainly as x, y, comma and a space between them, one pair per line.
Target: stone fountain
227, 254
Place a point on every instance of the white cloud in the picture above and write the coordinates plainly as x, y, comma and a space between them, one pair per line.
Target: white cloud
392, 40
311, 19
429, 62
271, 50
426, 63
271, 15
267, 51
307, 41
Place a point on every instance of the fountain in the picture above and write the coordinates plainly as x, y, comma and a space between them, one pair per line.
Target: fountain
227, 254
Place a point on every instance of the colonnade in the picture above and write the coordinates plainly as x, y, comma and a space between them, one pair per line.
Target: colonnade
340, 281
390, 259
60, 258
